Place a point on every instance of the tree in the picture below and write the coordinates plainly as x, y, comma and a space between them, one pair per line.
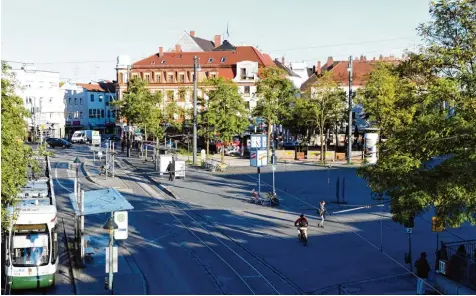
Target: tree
228, 109
442, 74
16, 156
381, 97
206, 121
275, 93
326, 104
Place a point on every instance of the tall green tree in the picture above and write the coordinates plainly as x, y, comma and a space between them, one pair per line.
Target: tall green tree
206, 120
16, 156
275, 93
228, 109
326, 105
430, 159
382, 96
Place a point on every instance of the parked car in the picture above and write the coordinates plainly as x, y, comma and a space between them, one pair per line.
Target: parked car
57, 142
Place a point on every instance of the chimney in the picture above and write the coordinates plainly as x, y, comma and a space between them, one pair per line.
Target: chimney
282, 60
373, 59
380, 57
318, 68
361, 58
365, 58
217, 40
161, 51
330, 61
192, 33
178, 48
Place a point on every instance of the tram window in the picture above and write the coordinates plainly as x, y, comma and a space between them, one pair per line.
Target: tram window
54, 250
30, 245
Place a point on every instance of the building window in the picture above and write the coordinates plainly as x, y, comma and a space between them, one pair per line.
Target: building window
171, 78
157, 77
213, 75
108, 113
248, 105
80, 114
100, 98
210, 60
247, 91
91, 113
102, 113
182, 78
92, 97
147, 77
163, 62
121, 77
223, 59
75, 101
243, 73
113, 113
135, 76
80, 101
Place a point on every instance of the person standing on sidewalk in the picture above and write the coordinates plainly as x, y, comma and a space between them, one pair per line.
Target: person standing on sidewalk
322, 213
169, 169
422, 270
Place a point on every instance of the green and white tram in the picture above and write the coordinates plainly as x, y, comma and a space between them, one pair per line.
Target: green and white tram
30, 247
31, 258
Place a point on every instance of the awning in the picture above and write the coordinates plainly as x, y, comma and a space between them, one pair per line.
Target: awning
101, 201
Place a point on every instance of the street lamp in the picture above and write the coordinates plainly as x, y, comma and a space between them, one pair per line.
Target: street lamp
196, 68
110, 226
349, 143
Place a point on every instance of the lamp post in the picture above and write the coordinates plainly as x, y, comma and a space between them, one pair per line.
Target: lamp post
110, 226
196, 68
349, 141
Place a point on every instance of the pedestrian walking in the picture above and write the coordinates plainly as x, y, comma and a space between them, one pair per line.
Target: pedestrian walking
322, 213
169, 169
422, 270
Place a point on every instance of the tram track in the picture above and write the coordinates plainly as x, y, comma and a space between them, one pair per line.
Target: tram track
251, 266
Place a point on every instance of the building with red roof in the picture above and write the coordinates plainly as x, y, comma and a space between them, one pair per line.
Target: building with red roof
172, 71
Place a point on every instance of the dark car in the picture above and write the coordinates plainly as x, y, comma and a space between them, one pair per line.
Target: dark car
57, 142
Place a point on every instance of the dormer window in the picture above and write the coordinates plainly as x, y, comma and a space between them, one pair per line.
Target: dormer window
223, 59
163, 62
180, 56
243, 73
210, 60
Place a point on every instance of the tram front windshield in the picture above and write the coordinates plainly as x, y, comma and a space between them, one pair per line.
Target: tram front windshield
30, 245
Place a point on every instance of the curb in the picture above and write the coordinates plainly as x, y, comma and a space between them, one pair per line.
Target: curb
160, 185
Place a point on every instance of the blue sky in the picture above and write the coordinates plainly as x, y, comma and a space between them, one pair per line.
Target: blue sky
92, 33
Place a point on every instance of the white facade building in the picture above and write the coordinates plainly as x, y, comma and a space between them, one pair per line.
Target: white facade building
42, 98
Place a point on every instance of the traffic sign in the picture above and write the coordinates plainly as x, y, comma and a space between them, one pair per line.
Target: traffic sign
408, 230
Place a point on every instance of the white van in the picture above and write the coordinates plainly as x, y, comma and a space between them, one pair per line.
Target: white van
79, 137
87, 136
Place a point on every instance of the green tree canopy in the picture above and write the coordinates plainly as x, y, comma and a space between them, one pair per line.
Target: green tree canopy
325, 105
16, 156
430, 159
276, 94
228, 109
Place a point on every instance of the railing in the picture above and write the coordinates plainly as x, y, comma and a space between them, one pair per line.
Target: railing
461, 264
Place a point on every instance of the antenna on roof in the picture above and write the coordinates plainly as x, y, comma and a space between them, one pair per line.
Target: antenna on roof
227, 32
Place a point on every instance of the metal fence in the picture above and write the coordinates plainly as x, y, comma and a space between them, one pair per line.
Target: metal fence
403, 283
461, 264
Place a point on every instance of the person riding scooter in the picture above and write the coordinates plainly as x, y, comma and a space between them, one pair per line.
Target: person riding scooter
302, 224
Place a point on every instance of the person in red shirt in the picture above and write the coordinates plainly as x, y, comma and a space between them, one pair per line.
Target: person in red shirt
302, 224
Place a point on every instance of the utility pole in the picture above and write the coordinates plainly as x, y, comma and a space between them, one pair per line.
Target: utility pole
194, 149
349, 140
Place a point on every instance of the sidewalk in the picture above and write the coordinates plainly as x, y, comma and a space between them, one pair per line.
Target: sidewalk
90, 279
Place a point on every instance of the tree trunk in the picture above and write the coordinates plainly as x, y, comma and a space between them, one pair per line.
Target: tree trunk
223, 152
208, 147
145, 140
336, 144
269, 139
321, 135
325, 145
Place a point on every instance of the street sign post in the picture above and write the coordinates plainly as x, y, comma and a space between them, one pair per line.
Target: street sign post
121, 220
259, 155
409, 230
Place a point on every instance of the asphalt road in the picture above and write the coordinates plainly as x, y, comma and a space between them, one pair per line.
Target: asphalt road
213, 241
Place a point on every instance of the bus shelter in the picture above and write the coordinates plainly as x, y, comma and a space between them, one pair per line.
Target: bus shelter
97, 202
